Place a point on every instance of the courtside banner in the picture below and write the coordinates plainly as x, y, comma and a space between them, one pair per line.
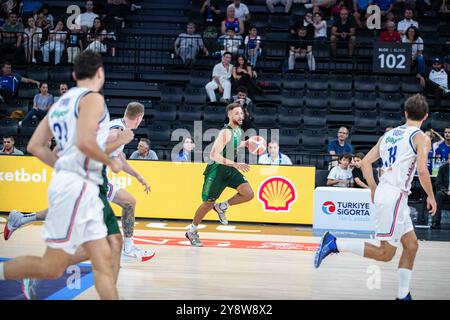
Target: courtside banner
283, 194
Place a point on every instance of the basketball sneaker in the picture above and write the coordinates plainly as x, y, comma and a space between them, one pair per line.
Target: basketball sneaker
327, 245
29, 288
13, 223
136, 254
221, 208
408, 297
194, 239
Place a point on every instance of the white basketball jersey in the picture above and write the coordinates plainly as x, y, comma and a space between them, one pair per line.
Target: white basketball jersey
62, 118
399, 157
120, 125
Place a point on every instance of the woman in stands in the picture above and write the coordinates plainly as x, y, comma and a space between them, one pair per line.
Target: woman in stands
56, 42
41, 103
412, 37
32, 39
97, 37
244, 75
232, 22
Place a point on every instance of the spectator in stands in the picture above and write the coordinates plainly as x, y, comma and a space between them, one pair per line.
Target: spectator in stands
336, 8
211, 12
63, 87
274, 156
74, 44
416, 42
9, 83
390, 17
241, 11
434, 145
247, 105
221, 79
343, 30
11, 36
443, 150
47, 15
320, 27
8, 6
185, 154
323, 5
300, 46
143, 151
403, 25
31, 39
358, 177
437, 81
386, 6
42, 23
442, 192
231, 42
340, 145
97, 37
9, 148
424, 5
56, 42
360, 11
189, 44
253, 46
117, 10
390, 35
86, 20
41, 103
232, 22
341, 175
307, 22
244, 75
272, 3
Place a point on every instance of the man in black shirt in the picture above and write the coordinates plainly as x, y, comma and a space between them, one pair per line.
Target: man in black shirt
343, 30
442, 192
301, 46
358, 176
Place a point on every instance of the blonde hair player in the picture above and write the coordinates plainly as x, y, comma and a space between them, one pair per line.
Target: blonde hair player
79, 124
223, 172
133, 116
402, 150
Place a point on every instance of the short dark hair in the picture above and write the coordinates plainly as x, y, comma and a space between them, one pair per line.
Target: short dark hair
416, 107
230, 29
359, 155
6, 63
416, 32
345, 156
242, 89
9, 137
147, 141
233, 106
86, 64
227, 52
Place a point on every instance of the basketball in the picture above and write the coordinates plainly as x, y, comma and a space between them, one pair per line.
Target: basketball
257, 145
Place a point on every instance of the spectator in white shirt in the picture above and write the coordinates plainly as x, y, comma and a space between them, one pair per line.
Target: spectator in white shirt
272, 3
407, 22
320, 27
341, 175
241, 11
221, 79
86, 20
231, 42
274, 156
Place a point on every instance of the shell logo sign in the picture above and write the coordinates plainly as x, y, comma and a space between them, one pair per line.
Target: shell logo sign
277, 194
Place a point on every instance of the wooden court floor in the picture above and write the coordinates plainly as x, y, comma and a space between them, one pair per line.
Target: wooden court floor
242, 261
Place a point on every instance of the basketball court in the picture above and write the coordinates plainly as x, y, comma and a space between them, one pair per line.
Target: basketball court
238, 261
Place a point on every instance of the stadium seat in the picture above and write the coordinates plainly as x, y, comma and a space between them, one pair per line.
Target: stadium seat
313, 141
390, 102
190, 112
411, 85
341, 82
440, 121
366, 121
165, 111
289, 138
391, 119
38, 73
8, 128
264, 115
194, 95
172, 93
365, 101
365, 83
316, 99
314, 118
340, 102
214, 114
159, 133
289, 116
388, 83
294, 81
317, 82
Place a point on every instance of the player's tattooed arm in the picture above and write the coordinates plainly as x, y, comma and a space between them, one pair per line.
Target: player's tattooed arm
128, 220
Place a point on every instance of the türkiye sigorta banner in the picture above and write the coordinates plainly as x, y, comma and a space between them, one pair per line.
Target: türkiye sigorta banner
283, 194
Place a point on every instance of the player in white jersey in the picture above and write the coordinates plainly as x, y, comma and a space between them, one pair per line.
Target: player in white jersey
133, 116
402, 150
79, 124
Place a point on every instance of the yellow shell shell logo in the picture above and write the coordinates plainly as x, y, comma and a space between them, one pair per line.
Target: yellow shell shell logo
277, 194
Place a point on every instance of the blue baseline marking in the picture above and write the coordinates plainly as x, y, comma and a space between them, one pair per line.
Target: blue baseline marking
68, 294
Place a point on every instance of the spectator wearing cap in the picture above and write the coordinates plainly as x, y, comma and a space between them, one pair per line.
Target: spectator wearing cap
341, 175
436, 81
9, 147
143, 151
274, 156
390, 35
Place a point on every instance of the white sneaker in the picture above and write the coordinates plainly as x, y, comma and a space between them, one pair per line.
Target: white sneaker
13, 223
136, 254
221, 210
308, 5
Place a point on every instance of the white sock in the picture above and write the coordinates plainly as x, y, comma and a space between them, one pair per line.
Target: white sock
127, 244
224, 205
356, 247
27, 218
2, 272
192, 228
404, 278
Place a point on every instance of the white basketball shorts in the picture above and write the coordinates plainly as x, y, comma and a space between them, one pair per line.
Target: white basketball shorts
392, 214
75, 213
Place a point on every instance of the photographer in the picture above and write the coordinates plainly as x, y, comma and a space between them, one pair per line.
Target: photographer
247, 105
